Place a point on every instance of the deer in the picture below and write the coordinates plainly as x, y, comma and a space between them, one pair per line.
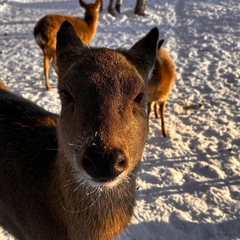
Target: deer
160, 84
47, 27
73, 176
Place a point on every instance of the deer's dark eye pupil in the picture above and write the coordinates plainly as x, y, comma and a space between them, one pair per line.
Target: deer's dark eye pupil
139, 98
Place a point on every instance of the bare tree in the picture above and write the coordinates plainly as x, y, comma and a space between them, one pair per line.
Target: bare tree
115, 6
140, 7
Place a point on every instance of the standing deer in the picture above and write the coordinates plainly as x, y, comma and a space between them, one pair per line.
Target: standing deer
74, 176
47, 27
160, 84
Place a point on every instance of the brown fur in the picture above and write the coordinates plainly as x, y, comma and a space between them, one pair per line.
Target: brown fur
3, 85
46, 29
160, 84
77, 179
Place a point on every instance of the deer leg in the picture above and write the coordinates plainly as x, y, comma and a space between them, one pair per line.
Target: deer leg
149, 110
54, 63
156, 110
162, 109
46, 62
150, 107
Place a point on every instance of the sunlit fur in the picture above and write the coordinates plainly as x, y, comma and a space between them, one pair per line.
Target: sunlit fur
160, 85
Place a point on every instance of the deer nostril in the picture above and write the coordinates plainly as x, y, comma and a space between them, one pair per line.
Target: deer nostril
88, 164
120, 163
103, 165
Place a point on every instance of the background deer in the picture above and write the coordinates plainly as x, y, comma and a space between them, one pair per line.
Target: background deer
160, 84
74, 176
46, 29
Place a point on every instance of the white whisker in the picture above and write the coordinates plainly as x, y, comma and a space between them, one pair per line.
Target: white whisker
75, 212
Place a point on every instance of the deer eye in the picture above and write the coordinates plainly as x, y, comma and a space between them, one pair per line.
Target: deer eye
67, 96
139, 98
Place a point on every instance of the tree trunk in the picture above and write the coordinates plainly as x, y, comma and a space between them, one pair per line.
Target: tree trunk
140, 7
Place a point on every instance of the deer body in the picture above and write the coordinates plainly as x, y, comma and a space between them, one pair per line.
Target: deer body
24, 128
73, 176
160, 84
47, 27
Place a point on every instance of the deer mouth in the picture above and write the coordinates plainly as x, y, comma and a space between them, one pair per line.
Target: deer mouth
104, 182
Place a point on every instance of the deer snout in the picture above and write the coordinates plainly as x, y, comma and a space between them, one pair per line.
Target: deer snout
103, 165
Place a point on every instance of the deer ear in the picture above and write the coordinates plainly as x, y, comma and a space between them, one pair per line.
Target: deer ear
68, 44
145, 51
98, 3
83, 4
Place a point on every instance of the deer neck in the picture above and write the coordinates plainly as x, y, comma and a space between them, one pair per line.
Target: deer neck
87, 212
92, 21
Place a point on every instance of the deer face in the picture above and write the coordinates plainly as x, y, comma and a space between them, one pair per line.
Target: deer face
103, 122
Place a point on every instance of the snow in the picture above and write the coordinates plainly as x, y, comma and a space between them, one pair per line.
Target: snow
189, 182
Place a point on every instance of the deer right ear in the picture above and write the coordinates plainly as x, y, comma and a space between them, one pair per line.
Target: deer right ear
68, 44
145, 52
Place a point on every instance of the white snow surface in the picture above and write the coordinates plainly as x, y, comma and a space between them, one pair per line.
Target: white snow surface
189, 182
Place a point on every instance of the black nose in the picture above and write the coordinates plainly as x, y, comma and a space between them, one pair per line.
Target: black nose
103, 165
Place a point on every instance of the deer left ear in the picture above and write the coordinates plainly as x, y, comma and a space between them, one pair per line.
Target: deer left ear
68, 44
98, 3
145, 51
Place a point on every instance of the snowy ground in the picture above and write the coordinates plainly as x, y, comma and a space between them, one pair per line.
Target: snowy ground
189, 184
